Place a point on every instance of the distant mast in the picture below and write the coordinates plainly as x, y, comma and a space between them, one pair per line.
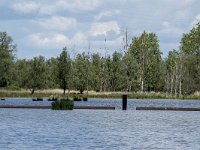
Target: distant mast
125, 41
105, 48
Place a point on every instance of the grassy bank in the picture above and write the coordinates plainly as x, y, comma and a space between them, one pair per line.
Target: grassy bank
91, 94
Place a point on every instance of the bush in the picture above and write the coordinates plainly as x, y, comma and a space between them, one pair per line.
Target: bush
63, 104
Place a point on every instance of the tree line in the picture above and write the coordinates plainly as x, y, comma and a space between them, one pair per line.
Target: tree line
140, 68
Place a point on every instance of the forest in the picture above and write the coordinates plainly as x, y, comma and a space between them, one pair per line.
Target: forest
140, 68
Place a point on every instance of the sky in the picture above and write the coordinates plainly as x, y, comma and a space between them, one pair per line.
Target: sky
45, 27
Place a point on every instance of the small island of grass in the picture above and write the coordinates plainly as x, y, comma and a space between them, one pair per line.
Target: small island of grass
63, 104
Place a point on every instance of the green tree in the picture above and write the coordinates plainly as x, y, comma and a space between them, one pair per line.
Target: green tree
64, 70
103, 74
51, 72
7, 49
190, 49
116, 72
95, 73
22, 68
36, 74
130, 71
145, 50
172, 72
81, 72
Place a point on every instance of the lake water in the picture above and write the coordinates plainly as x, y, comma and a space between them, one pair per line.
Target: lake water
32, 129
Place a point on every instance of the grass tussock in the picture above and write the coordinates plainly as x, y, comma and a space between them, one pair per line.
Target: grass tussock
63, 104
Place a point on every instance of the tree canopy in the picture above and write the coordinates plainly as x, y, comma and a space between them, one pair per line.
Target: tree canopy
140, 68
7, 49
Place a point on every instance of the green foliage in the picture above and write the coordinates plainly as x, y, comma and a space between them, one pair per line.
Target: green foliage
146, 60
22, 68
63, 104
116, 72
139, 69
190, 42
36, 74
52, 73
64, 70
96, 72
81, 72
190, 48
172, 72
130, 72
7, 49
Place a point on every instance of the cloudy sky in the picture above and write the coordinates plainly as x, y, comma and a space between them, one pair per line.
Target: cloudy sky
44, 27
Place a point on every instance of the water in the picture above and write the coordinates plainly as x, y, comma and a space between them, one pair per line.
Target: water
32, 129
132, 103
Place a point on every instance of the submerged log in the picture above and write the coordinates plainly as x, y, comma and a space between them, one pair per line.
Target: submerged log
168, 108
24, 106
38, 99
95, 107
85, 99
49, 107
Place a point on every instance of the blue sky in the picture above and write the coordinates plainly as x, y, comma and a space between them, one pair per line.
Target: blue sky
44, 27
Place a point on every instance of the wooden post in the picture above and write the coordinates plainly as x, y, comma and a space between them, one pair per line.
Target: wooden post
85, 98
124, 102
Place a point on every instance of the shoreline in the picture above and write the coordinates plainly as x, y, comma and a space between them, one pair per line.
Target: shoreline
91, 94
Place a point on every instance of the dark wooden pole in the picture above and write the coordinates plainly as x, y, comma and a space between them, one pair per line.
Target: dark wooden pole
124, 102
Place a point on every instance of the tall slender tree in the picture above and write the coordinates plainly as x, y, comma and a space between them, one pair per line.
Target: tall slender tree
95, 73
64, 70
116, 72
172, 72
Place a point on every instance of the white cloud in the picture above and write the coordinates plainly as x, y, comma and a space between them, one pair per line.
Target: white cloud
54, 7
166, 25
106, 14
198, 18
102, 28
55, 40
79, 38
48, 9
168, 28
58, 23
26, 7
47, 41
111, 46
46, 25
195, 21
166, 47
2, 2
182, 15
83, 5
188, 2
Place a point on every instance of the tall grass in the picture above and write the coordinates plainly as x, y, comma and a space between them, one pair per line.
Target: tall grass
92, 94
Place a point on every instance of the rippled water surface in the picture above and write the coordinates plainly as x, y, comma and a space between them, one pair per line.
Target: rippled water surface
32, 129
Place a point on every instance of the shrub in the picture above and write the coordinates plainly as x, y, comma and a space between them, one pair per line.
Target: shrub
63, 104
